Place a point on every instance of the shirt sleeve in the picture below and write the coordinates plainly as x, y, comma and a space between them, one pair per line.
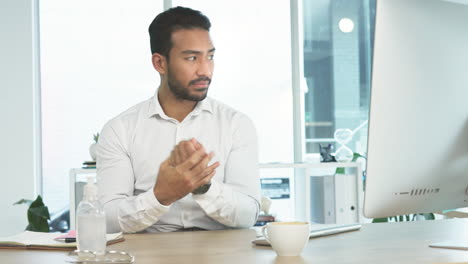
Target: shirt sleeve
124, 211
236, 201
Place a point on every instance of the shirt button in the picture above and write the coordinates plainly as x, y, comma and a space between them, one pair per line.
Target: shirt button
182, 216
177, 134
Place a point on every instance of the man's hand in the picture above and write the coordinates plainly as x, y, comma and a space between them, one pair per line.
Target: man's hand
184, 171
183, 151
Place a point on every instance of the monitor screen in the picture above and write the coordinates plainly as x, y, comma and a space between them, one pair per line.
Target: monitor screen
418, 124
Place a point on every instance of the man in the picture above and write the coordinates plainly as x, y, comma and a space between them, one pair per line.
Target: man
180, 160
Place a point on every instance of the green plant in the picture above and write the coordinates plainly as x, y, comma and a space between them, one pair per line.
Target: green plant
96, 137
403, 218
38, 214
341, 170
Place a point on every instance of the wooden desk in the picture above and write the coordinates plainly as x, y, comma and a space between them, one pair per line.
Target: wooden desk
374, 243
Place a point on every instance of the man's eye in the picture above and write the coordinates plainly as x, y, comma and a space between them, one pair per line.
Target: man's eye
210, 57
192, 58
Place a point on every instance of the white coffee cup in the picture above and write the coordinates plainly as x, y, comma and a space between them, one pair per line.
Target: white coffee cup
287, 238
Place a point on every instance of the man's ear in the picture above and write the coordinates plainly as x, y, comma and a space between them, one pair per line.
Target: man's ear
159, 63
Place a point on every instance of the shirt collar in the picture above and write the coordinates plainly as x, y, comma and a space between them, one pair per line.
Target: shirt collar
202, 106
156, 109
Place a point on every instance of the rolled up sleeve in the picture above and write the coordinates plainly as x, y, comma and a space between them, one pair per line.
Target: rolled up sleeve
235, 202
125, 211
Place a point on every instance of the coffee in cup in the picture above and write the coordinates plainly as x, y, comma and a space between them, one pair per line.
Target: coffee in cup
287, 238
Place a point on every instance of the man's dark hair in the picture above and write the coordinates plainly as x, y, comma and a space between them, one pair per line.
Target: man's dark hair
162, 27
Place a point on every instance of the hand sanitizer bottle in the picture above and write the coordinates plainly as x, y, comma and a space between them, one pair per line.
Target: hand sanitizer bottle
91, 221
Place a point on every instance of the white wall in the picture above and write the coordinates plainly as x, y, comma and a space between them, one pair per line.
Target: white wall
95, 64
18, 101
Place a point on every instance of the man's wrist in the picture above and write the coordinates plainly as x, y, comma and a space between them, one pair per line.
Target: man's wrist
162, 201
202, 189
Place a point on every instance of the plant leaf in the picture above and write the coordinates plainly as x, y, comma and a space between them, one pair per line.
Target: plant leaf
340, 170
96, 137
23, 201
380, 220
429, 216
41, 212
39, 226
38, 202
38, 214
357, 156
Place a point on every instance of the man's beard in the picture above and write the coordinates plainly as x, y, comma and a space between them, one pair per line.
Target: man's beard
183, 93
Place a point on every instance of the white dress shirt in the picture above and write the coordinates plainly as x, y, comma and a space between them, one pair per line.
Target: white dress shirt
134, 144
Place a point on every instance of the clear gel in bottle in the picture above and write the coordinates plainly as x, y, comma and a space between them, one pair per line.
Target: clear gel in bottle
91, 221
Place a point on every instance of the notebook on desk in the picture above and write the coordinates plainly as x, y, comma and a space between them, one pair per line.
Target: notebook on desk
315, 231
48, 241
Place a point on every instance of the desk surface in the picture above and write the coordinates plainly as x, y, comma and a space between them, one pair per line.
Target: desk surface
375, 243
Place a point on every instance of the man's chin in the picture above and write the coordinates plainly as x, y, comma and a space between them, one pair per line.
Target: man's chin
199, 98
196, 97
199, 94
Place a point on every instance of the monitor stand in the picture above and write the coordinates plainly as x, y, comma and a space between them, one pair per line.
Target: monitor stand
461, 243
451, 244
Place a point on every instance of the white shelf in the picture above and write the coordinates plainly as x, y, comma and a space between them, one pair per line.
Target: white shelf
302, 195
301, 182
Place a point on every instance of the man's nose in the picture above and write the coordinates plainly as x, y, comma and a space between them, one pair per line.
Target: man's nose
205, 68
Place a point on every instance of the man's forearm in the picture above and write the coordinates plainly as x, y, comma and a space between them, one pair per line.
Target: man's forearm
133, 214
229, 207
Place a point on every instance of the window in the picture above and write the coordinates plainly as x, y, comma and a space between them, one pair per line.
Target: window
337, 59
95, 63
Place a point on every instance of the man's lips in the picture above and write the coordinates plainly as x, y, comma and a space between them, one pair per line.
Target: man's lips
201, 84
200, 81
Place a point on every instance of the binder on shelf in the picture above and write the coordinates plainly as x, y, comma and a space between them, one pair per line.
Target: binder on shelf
346, 208
334, 199
322, 203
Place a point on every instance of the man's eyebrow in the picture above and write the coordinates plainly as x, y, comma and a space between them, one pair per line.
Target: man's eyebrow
191, 52
196, 51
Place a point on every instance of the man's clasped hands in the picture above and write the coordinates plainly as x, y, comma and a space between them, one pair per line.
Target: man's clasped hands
185, 170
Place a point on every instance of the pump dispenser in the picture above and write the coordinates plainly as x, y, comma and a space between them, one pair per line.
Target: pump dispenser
91, 221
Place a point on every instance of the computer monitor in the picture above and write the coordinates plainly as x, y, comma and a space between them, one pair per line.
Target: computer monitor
418, 125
